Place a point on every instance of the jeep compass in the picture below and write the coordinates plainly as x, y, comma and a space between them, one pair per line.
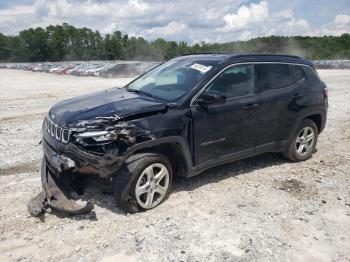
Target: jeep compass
179, 119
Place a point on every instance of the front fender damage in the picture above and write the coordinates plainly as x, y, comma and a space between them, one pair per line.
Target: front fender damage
100, 158
58, 194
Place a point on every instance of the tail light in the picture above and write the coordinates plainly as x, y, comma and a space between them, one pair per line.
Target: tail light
325, 91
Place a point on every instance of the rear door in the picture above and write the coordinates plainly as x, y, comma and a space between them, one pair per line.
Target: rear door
279, 95
230, 128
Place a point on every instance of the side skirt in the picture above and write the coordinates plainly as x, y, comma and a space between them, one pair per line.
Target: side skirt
273, 147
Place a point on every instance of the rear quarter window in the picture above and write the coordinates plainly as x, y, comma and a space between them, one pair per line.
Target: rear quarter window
310, 74
299, 73
274, 76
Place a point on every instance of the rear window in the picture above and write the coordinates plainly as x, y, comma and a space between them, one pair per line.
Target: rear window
274, 76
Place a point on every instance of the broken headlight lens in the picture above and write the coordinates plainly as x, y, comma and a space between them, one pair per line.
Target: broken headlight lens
98, 136
96, 142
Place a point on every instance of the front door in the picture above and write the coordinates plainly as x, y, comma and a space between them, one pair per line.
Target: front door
229, 129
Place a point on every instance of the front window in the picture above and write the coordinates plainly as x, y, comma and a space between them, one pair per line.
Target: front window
235, 81
172, 80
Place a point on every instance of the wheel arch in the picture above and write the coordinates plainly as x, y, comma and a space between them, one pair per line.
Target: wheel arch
174, 148
317, 118
316, 115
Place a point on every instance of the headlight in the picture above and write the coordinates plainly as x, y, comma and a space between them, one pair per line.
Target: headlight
98, 136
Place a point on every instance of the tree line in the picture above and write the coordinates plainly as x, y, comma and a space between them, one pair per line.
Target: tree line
67, 43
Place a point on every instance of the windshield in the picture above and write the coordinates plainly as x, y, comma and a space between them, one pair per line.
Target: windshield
173, 79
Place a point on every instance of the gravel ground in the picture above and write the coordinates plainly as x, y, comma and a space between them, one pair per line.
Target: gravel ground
260, 209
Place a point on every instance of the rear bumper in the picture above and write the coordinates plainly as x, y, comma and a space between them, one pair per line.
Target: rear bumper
324, 120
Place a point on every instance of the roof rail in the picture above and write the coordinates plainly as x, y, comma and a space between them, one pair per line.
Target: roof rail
207, 53
242, 55
277, 55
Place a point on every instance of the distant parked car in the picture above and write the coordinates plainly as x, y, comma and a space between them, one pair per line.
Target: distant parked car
100, 71
121, 70
55, 68
38, 68
107, 69
63, 69
91, 71
74, 69
86, 70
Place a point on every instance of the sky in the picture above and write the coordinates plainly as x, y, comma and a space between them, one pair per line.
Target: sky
192, 21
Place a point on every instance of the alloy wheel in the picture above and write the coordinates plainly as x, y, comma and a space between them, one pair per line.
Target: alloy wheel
305, 141
152, 185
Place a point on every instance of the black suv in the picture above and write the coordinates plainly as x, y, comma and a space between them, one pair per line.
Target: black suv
182, 117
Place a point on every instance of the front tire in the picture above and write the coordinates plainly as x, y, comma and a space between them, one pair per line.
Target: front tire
143, 182
304, 142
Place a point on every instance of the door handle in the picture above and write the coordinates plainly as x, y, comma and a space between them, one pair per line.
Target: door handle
251, 106
297, 95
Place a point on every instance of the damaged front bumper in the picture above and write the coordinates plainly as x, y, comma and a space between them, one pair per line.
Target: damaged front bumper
57, 190
57, 171
61, 163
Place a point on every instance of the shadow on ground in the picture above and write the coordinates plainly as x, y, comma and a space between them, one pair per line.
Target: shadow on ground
236, 168
100, 192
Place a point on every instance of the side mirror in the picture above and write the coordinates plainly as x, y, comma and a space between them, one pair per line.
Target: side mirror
211, 98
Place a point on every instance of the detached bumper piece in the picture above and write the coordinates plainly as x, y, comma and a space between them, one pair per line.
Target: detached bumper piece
57, 194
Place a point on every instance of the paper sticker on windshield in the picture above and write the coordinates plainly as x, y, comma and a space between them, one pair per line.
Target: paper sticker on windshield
201, 68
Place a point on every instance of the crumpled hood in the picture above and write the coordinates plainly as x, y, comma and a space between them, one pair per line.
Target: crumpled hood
112, 102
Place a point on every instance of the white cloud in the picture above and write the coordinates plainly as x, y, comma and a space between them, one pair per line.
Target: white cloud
246, 16
343, 20
286, 13
181, 20
340, 25
170, 29
12, 14
66, 8
174, 30
257, 20
17, 11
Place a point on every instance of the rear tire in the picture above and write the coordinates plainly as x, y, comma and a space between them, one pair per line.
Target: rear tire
143, 182
304, 142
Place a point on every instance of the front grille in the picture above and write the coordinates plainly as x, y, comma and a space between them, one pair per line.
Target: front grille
57, 132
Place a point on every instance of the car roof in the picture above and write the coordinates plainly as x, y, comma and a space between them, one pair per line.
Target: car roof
242, 58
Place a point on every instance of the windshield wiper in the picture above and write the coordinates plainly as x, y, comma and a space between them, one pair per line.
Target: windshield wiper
140, 92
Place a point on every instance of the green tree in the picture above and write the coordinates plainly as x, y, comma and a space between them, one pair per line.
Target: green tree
35, 44
65, 42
